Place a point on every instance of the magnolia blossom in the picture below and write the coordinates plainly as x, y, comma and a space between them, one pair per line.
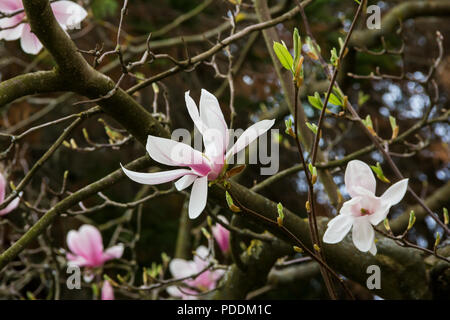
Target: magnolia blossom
206, 281
13, 204
67, 13
86, 246
202, 166
222, 235
107, 291
364, 209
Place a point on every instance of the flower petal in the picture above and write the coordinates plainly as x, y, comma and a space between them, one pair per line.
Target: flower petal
363, 234
373, 249
68, 13
216, 137
249, 135
2, 187
359, 174
29, 42
115, 252
107, 291
337, 228
91, 243
15, 25
181, 268
193, 113
185, 181
155, 177
199, 195
396, 192
10, 207
379, 215
8, 6
173, 153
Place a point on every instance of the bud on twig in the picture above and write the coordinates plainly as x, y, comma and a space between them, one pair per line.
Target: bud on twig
230, 203
298, 249
280, 217
412, 220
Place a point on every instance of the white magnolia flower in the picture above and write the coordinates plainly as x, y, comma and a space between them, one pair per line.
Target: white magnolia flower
67, 13
364, 209
202, 166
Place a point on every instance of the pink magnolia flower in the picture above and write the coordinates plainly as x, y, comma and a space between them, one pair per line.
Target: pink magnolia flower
67, 13
202, 166
13, 204
86, 246
107, 291
222, 235
206, 281
364, 209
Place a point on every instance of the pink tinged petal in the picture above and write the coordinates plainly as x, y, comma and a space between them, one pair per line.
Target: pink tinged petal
359, 174
201, 254
213, 118
249, 135
2, 188
185, 182
222, 235
68, 13
337, 229
199, 195
114, 252
29, 42
395, 193
10, 207
76, 260
91, 244
15, 25
155, 177
173, 153
8, 6
107, 291
363, 234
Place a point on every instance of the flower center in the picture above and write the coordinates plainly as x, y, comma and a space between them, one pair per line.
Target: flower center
364, 212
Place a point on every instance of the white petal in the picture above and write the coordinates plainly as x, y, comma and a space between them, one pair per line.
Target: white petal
373, 249
199, 195
29, 42
249, 135
363, 234
396, 192
193, 113
155, 177
359, 174
181, 268
13, 33
337, 228
185, 181
216, 137
172, 153
379, 215
68, 13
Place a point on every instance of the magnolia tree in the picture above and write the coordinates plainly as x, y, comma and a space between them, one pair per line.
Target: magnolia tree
224, 149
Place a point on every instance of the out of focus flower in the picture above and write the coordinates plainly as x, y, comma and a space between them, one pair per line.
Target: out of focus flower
13, 204
364, 209
204, 282
67, 13
107, 291
222, 235
86, 246
202, 166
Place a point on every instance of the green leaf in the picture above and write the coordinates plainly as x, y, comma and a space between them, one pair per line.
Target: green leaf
379, 173
313, 127
362, 98
284, 56
316, 101
335, 100
297, 46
